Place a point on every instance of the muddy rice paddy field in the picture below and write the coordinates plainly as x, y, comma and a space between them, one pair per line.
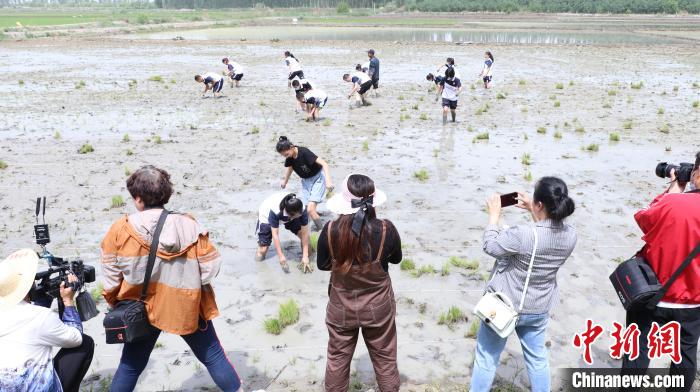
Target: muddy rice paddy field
599, 116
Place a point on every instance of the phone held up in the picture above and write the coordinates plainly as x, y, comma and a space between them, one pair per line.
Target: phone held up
509, 199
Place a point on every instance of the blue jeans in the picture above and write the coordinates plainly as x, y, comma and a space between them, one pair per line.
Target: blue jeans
205, 346
531, 330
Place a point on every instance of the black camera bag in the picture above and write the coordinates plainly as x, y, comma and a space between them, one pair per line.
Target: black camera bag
638, 286
128, 321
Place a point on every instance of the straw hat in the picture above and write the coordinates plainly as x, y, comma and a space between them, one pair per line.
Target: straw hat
341, 203
17, 273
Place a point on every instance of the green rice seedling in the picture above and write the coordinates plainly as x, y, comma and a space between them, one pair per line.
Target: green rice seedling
80, 85
132, 83
327, 122
446, 269
479, 112
627, 125
524, 110
262, 104
96, 292
403, 109
422, 308
159, 346
660, 111
571, 82
612, 93
637, 86
470, 129
365, 146
592, 147
423, 116
552, 97
482, 136
452, 316
288, 313
525, 137
21, 82
173, 81
401, 98
117, 201
607, 105
473, 329
421, 175
272, 326
415, 107
472, 87
57, 135
255, 130
127, 171
521, 82
614, 137
528, 176
696, 85
157, 139
3, 165
421, 99
665, 129
85, 148
675, 89
580, 129
557, 104
424, 270
668, 148
525, 160
500, 96
541, 130
313, 240
129, 152
126, 138
696, 104
557, 135
463, 263
559, 86
407, 265
566, 124
436, 152
156, 78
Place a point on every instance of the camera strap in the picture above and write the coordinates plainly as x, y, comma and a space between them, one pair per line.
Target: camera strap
152, 254
659, 295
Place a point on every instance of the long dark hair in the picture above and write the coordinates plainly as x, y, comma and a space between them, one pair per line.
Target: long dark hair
450, 72
451, 61
284, 144
554, 194
291, 204
289, 54
347, 247
488, 53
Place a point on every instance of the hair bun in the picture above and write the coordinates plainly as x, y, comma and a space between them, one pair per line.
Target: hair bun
283, 138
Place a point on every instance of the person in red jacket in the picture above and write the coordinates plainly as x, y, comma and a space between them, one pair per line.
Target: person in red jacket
671, 227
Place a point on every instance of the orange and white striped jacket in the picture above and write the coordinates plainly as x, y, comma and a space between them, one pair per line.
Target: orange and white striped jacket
179, 292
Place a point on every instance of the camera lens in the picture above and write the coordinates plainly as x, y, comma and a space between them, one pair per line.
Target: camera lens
661, 170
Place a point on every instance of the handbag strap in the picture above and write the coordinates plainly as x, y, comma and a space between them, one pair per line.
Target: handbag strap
660, 294
152, 252
529, 270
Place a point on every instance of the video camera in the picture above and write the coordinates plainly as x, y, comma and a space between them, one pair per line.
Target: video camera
48, 283
683, 171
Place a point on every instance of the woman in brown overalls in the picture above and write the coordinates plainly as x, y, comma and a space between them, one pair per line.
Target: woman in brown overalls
357, 248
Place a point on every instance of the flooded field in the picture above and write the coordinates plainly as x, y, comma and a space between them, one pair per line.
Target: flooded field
599, 115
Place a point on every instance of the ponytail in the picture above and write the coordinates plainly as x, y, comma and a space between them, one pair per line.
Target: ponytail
283, 144
488, 53
291, 204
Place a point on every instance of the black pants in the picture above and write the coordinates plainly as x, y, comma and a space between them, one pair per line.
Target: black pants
71, 364
689, 319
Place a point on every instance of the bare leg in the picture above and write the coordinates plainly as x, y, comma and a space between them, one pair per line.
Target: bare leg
261, 253
311, 209
454, 115
444, 114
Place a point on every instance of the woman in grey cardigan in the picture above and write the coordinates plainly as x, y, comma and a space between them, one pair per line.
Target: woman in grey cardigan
512, 248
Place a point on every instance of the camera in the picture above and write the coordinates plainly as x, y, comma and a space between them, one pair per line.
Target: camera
683, 171
47, 283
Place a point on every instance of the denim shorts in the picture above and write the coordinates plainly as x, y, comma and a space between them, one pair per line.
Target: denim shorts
313, 188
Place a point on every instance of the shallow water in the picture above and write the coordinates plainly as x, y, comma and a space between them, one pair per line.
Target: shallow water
500, 36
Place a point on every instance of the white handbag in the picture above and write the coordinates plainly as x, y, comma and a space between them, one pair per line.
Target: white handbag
496, 310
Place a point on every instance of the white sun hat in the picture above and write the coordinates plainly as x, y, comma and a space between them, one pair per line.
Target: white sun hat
17, 273
341, 203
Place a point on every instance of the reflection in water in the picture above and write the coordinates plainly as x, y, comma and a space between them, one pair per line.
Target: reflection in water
445, 155
415, 35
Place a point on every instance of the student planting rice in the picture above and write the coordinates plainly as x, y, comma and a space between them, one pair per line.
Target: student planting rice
361, 83
313, 171
211, 82
233, 71
373, 70
449, 88
301, 87
449, 63
293, 66
435, 79
487, 71
288, 209
315, 100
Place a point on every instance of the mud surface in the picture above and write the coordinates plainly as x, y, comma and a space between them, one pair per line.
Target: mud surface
221, 155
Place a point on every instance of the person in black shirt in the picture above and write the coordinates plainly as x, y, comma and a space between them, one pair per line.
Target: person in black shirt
314, 172
357, 248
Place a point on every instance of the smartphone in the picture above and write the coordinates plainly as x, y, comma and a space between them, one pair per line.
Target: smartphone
509, 199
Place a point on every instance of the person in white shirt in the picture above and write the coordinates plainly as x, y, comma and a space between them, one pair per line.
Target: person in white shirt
487, 71
301, 87
233, 70
212, 82
361, 83
315, 100
28, 333
293, 66
450, 88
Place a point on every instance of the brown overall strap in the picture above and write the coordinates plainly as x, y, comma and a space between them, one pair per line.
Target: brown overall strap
330, 245
381, 244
